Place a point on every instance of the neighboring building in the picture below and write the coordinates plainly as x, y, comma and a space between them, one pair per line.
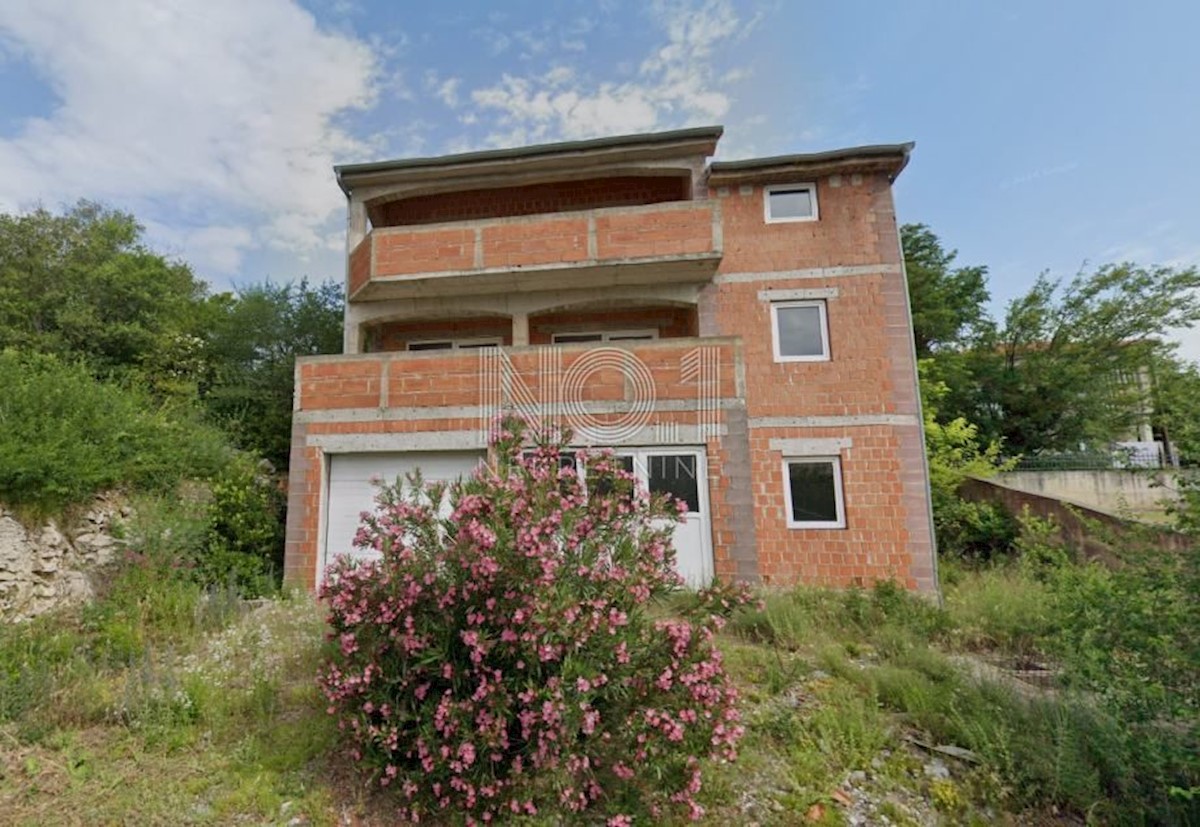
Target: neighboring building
739, 331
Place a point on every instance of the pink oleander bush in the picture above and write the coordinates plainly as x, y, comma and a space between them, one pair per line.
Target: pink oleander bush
506, 654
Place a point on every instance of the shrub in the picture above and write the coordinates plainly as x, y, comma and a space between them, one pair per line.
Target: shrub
955, 453
244, 542
501, 657
67, 436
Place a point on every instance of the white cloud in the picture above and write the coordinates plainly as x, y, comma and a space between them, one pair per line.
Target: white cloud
1189, 343
199, 113
216, 248
676, 84
445, 90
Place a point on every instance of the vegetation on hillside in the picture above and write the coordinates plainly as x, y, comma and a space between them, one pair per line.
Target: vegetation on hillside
122, 371
185, 706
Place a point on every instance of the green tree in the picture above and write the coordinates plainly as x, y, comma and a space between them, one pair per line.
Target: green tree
1177, 418
956, 451
251, 349
1071, 365
83, 285
947, 301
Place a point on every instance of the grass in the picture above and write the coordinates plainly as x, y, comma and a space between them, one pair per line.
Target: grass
167, 704
222, 725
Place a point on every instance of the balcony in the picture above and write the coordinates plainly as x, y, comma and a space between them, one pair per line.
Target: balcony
681, 378
677, 241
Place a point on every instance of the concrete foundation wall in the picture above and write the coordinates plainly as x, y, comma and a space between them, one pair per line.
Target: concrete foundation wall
1114, 491
1092, 533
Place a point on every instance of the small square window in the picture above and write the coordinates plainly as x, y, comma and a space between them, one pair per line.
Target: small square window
800, 331
790, 202
604, 336
431, 345
455, 344
813, 491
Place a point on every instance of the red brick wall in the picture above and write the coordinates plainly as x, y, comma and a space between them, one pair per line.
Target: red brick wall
438, 377
562, 196
360, 266
671, 322
874, 545
870, 374
535, 242
423, 251
852, 230
668, 232
393, 336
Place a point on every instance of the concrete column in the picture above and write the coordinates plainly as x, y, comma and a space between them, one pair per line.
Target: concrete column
351, 330
356, 225
520, 329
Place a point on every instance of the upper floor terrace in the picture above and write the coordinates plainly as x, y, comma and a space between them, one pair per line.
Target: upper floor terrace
585, 214
656, 243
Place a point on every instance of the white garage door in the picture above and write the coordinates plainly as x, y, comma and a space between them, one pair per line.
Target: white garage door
352, 490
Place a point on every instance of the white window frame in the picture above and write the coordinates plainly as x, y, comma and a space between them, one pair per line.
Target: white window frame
812, 195
455, 344
838, 492
606, 335
821, 305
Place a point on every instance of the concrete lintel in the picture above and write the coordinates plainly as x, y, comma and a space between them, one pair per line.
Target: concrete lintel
811, 447
612, 273
422, 441
649, 344
509, 304
478, 411
809, 273
669, 433
798, 294
855, 421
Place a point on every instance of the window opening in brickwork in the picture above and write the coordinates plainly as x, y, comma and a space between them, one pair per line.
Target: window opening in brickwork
800, 331
813, 489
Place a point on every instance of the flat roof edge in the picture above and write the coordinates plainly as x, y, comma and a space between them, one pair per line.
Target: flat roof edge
700, 133
896, 154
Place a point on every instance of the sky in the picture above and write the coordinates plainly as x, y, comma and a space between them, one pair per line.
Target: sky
1051, 136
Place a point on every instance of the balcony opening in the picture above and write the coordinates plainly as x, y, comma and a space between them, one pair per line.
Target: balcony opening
532, 199
603, 325
437, 334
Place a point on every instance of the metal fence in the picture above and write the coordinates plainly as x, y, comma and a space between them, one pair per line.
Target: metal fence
1123, 457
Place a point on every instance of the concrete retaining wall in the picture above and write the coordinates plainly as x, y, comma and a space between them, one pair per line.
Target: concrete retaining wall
1113, 491
1089, 531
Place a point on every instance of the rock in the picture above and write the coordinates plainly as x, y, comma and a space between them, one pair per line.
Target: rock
76, 587
936, 769
42, 568
51, 537
858, 776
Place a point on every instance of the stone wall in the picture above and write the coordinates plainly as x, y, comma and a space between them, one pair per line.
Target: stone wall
50, 564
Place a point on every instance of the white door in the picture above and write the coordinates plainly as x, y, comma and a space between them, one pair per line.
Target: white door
683, 473
352, 489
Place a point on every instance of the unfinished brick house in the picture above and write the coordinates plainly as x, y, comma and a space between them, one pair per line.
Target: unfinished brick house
738, 332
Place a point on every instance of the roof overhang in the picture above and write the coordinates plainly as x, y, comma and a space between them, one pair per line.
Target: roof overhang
575, 156
886, 158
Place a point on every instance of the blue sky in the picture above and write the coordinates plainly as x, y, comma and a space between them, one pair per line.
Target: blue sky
1050, 136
